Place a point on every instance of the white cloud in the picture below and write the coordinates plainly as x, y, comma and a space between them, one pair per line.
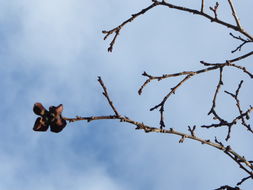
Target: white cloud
17, 173
49, 32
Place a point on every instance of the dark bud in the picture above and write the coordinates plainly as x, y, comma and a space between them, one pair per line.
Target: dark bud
56, 111
247, 116
57, 123
40, 125
39, 109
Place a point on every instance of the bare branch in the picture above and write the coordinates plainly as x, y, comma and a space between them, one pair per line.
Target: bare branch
149, 129
214, 9
227, 187
212, 19
214, 67
242, 44
241, 57
202, 6
155, 3
182, 139
229, 63
229, 124
234, 14
215, 96
107, 96
243, 180
223, 122
158, 78
240, 160
219, 142
235, 96
192, 130
117, 29
161, 105
240, 68
91, 118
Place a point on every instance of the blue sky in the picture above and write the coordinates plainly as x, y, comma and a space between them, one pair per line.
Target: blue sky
52, 52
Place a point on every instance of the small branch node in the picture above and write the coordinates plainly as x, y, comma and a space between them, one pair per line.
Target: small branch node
214, 9
182, 139
192, 130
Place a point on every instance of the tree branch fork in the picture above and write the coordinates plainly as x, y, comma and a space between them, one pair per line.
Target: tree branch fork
221, 122
240, 160
243, 116
155, 3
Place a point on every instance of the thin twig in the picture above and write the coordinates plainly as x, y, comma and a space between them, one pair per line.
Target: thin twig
228, 61
192, 130
242, 44
202, 6
223, 122
215, 94
234, 14
243, 180
158, 78
240, 68
107, 96
214, 9
233, 122
212, 19
235, 96
241, 57
219, 142
238, 161
91, 118
227, 187
161, 105
117, 29
155, 3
